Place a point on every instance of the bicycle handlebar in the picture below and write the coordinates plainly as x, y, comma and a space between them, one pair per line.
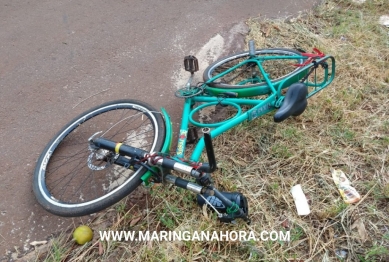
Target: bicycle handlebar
138, 155
146, 159
118, 148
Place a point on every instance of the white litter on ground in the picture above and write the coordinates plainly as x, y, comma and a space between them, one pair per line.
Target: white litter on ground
359, 1
384, 20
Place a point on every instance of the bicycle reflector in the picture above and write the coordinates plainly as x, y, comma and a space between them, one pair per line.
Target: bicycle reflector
191, 64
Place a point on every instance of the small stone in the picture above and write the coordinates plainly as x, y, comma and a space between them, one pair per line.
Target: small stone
37, 243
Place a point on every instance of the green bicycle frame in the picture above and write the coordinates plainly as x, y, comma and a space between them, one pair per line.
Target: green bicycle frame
268, 85
259, 107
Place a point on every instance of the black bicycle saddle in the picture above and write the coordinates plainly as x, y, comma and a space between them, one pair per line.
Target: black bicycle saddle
294, 103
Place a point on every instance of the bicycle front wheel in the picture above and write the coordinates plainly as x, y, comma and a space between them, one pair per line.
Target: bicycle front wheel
72, 179
249, 75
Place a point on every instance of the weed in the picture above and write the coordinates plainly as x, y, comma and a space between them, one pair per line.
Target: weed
376, 251
56, 252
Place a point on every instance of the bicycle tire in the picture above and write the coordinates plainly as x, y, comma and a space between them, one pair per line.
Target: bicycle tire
229, 61
65, 183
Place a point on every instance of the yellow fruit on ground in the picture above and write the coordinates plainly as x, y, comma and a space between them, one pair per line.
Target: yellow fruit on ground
82, 234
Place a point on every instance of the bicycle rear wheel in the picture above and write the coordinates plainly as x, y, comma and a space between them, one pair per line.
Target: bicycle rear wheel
71, 179
248, 75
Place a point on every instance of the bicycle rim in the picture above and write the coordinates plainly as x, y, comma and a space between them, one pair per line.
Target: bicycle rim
71, 179
249, 75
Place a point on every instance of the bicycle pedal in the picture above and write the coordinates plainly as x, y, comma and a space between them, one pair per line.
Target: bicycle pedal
191, 64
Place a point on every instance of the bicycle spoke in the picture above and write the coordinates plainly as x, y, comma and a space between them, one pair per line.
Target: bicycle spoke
69, 176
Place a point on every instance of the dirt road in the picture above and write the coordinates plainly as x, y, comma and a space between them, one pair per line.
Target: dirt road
58, 58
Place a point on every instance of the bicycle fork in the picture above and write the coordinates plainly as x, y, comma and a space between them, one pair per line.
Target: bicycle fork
228, 206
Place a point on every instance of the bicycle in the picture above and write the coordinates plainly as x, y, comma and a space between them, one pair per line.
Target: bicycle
105, 153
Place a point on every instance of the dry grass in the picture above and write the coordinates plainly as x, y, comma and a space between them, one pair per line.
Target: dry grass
345, 126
